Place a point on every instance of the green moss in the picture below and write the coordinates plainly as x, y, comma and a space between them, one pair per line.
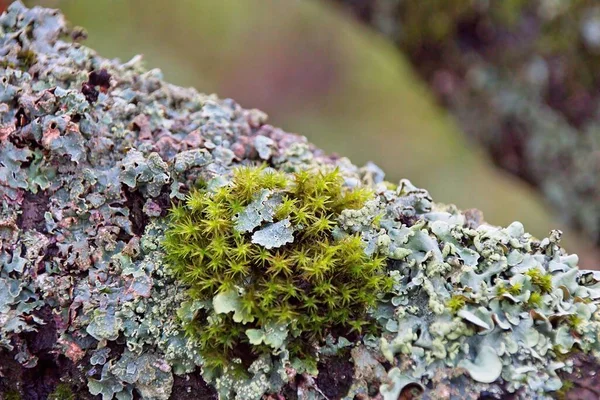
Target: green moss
515, 289
562, 393
535, 300
62, 392
575, 321
12, 395
455, 303
27, 58
540, 279
501, 288
6, 64
309, 284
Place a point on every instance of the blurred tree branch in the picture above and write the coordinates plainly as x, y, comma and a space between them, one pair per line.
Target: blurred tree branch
521, 78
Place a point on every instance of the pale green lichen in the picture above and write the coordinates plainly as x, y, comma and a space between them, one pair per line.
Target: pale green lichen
264, 377
398, 381
456, 279
85, 187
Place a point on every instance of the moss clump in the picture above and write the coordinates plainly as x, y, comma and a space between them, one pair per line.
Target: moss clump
540, 279
307, 285
535, 300
62, 392
12, 395
575, 321
515, 289
27, 58
455, 303
501, 288
562, 393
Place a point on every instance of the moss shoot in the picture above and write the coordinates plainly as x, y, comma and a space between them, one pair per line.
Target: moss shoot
226, 241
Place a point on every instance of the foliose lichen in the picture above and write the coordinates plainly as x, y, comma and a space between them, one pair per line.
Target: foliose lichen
94, 153
495, 302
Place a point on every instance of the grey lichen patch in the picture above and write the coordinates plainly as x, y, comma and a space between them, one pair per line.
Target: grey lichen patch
273, 335
274, 235
231, 301
486, 367
264, 376
94, 151
264, 145
148, 374
147, 173
261, 209
497, 303
397, 383
186, 160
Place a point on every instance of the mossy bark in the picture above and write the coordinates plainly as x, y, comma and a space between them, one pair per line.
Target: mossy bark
93, 152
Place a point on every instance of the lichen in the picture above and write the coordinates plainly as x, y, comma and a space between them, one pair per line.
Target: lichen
416, 295
496, 302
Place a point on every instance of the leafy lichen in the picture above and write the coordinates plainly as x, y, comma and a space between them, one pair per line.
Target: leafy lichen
272, 272
496, 302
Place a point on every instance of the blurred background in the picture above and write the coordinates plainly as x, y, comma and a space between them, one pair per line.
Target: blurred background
321, 73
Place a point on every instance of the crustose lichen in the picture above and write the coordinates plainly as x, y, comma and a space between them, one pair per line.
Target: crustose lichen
263, 247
